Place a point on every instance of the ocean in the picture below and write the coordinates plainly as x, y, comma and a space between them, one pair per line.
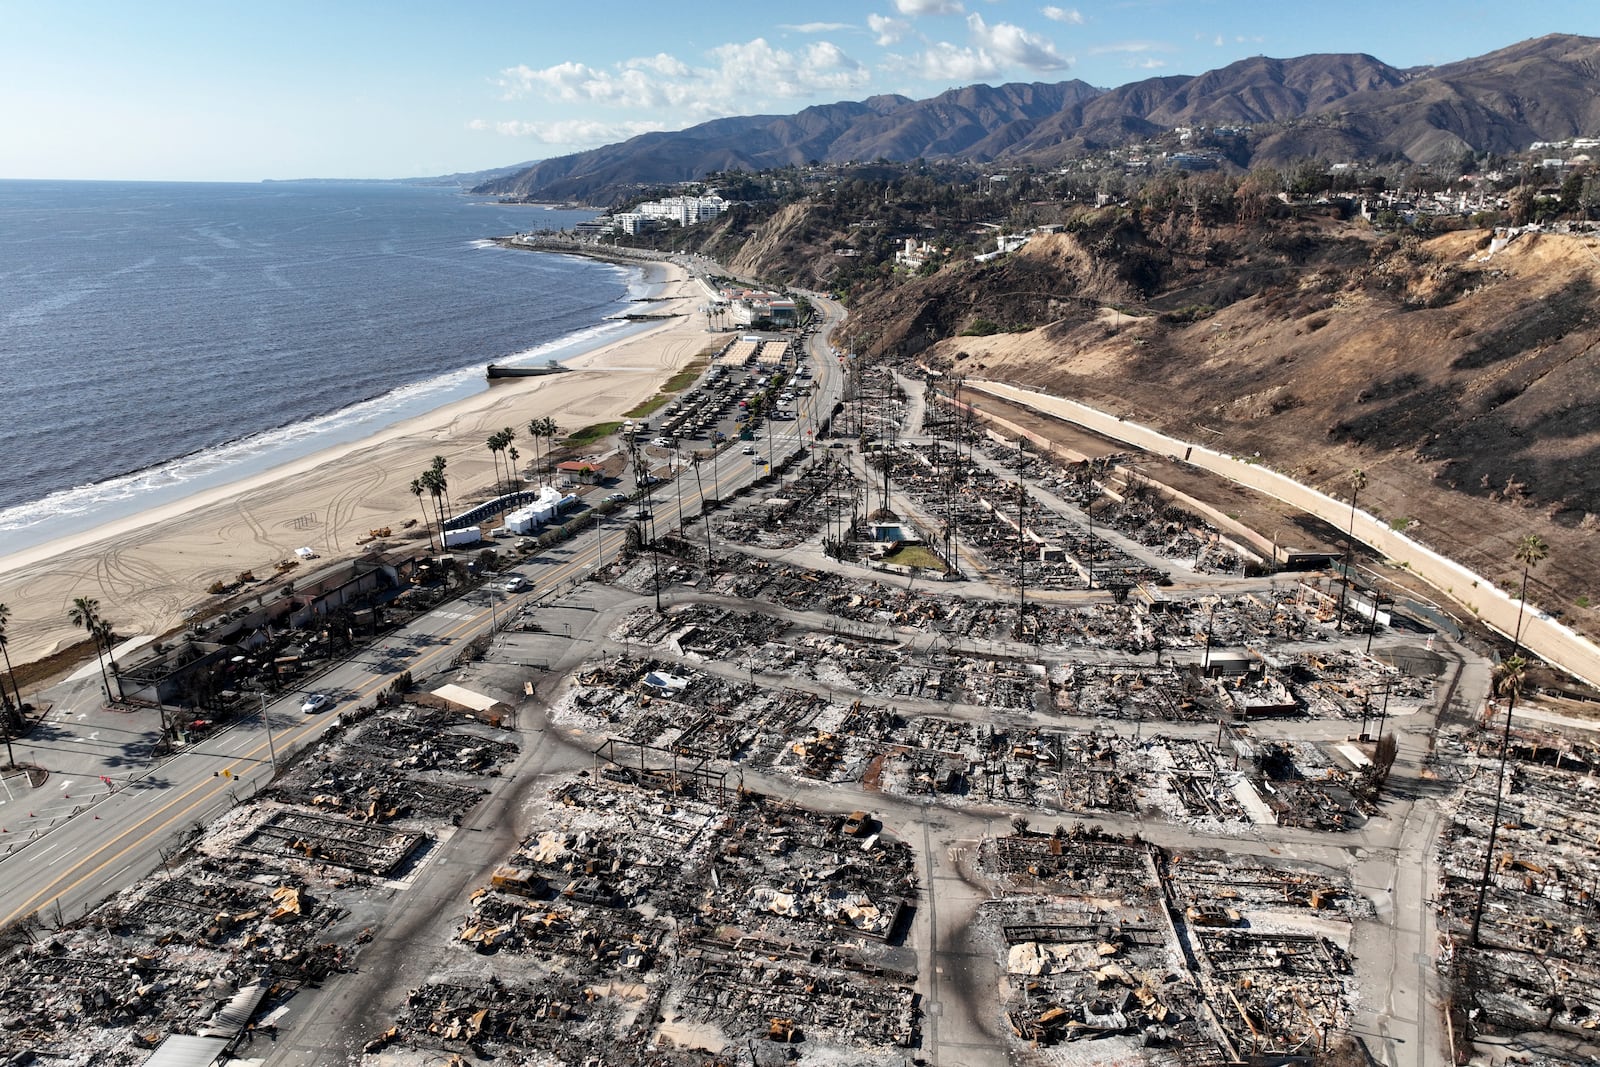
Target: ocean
161, 338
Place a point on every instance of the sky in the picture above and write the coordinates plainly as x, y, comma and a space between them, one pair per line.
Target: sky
216, 90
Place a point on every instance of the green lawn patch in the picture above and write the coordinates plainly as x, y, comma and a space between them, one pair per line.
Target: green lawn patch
684, 378
915, 556
590, 434
675, 384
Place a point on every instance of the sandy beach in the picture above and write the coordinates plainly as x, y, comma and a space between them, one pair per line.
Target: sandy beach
149, 569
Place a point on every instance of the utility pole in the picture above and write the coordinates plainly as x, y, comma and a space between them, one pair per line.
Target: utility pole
1210, 620
1092, 492
1372, 627
1358, 482
655, 554
272, 750
677, 471
1022, 546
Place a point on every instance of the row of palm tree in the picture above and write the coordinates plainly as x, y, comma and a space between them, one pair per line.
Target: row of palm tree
433, 482
543, 429
85, 613
498, 443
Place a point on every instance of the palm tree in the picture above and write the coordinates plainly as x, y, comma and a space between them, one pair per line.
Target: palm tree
549, 430
417, 489
1530, 552
12, 719
443, 484
85, 613
1358, 482
436, 484
535, 431
516, 477
508, 435
494, 444
5, 614
105, 634
1508, 681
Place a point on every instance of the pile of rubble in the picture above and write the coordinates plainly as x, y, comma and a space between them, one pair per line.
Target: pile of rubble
1226, 784
1534, 966
1149, 954
634, 919
254, 906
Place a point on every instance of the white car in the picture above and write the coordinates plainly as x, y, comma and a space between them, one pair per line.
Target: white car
515, 584
316, 702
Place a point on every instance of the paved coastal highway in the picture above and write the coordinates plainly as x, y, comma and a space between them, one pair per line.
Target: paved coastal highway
111, 836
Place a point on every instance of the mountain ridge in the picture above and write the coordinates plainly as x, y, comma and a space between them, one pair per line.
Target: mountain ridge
1544, 88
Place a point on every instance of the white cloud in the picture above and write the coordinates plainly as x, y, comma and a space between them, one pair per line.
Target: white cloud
886, 30
738, 78
1131, 47
1069, 15
660, 63
928, 7
579, 132
757, 69
815, 27
1014, 46
945, 62
991, 51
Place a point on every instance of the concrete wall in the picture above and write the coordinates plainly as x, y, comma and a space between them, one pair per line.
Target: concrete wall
1550, 639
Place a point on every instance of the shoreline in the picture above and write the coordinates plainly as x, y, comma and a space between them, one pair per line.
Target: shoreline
148, 568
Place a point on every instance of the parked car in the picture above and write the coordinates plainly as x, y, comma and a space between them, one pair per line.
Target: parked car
316, 702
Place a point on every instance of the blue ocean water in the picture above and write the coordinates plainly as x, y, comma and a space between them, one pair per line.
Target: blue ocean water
157, 338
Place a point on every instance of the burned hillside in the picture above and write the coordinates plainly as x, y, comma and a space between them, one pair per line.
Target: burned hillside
1454, 371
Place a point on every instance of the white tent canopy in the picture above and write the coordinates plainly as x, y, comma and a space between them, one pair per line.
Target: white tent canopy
466, 698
